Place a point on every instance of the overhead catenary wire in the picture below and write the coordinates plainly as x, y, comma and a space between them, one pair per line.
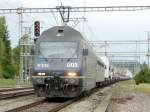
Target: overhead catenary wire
74, 9
90, 31
53, 14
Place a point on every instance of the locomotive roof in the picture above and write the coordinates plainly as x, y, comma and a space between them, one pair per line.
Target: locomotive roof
61, 33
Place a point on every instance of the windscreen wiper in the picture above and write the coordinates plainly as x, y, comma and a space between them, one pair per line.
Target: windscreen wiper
43, 56
72, 55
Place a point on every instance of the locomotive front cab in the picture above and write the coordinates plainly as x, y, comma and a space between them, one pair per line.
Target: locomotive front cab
57, 68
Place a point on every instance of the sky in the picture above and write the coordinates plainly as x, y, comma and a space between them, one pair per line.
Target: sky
99, 25
104, 25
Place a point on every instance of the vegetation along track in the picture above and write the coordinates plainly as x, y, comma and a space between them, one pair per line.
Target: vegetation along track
10, 93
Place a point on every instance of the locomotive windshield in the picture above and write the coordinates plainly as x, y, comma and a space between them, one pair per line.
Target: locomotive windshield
58, 49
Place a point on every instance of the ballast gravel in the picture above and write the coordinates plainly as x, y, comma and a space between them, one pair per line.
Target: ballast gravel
91, 103
138, 102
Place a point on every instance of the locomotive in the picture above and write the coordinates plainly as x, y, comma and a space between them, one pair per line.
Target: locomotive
65, 65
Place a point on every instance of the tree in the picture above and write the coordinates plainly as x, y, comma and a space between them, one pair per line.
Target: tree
1, 56
16, 59
6, 67
4, 35
143, 76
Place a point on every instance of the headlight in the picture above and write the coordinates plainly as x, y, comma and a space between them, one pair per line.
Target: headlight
41, 74
71, 74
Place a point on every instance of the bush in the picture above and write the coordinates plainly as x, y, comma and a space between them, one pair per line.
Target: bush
1, 72
9, 71
143, 76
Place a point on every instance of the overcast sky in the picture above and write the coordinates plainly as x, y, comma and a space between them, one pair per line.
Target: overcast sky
100, 25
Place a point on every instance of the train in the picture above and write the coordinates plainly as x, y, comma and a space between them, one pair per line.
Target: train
65, 65
108, 68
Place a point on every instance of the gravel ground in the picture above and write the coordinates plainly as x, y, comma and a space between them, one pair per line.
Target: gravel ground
91, 103
16, 102
135, 103
122, 97
129, 101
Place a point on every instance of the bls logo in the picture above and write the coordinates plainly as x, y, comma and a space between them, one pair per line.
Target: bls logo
73, 65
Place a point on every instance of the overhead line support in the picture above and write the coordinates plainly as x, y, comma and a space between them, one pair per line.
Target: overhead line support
74, 9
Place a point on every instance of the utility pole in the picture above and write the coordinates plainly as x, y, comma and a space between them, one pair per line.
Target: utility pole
19, 12
148, 53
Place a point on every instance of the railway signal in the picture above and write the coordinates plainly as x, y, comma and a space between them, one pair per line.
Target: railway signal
37, 28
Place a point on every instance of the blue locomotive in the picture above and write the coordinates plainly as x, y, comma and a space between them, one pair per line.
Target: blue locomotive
65, 65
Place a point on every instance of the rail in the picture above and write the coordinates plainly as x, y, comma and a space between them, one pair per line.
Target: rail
14, 89
12, 94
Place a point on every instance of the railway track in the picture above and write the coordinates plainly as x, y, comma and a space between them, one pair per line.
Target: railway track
103, 106
11, 93
63, 105
14, 89
43, 105
27, 106
53, 106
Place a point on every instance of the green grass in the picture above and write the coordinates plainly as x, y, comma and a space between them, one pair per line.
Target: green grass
12, 83
128, 82
130, 86
142, 88
8, 82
